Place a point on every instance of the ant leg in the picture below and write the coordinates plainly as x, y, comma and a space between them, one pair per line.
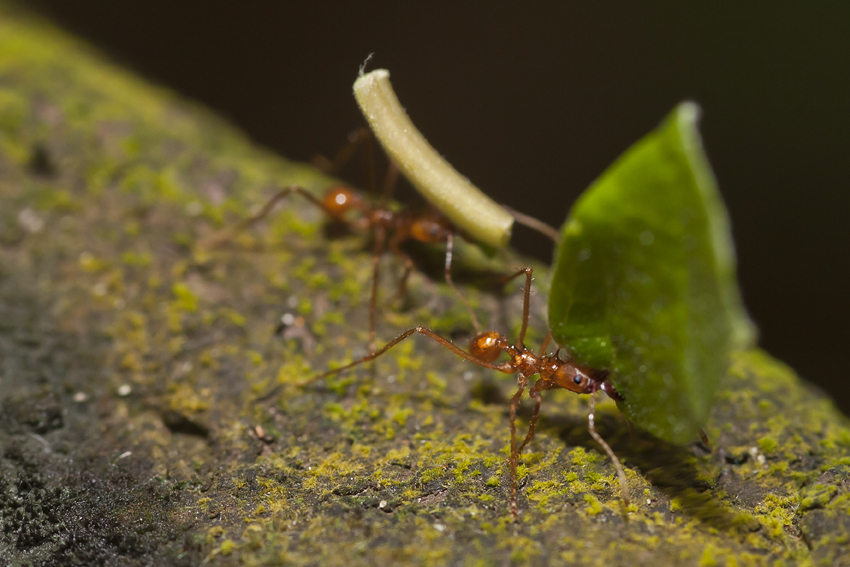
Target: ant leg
621, 474
514, 452
402, 283
369, 159
229, 233
390, 180
534, 393
630, 426
528, 277
534, 224
542, 350
447, 272
704, 438
356, 138
394, 245
448, 276
504, 367
380, 239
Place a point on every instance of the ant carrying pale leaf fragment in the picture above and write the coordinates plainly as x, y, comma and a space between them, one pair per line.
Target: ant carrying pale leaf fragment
388, 227
453, 194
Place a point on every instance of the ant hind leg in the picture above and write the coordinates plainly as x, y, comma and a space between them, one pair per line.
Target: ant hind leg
227, 234
505, 367
514, 452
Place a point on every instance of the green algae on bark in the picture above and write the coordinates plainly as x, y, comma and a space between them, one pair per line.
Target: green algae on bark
177, 400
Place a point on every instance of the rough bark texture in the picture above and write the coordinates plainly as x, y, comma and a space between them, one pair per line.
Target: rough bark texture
151, 415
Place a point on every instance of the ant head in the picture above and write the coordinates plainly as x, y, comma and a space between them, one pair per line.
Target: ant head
574, 378
487, 346
339, 200
429, 229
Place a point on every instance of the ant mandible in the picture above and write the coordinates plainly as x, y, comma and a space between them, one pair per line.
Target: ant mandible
552, 372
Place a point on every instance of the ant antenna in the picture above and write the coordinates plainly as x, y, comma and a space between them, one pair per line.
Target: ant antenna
534, 224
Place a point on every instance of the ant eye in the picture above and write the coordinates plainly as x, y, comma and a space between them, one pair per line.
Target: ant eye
577, 379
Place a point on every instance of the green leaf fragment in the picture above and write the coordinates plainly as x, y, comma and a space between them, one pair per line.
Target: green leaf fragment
644, 281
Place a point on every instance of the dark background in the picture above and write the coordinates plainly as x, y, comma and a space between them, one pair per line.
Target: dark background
533, 103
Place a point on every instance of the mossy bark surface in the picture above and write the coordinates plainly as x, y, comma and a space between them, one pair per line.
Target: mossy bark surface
151, 412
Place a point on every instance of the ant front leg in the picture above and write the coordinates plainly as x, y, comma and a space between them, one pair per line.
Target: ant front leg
505, 367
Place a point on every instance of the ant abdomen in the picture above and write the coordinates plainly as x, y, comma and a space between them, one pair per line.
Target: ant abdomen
339, 199
487, 346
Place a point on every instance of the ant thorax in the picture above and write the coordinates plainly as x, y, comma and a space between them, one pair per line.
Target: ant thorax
554, 372
380, 216
525, 362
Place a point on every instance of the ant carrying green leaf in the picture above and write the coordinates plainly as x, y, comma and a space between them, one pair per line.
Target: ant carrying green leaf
552, 371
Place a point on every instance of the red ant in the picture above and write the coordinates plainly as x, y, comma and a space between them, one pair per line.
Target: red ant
553, 372
388, 228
